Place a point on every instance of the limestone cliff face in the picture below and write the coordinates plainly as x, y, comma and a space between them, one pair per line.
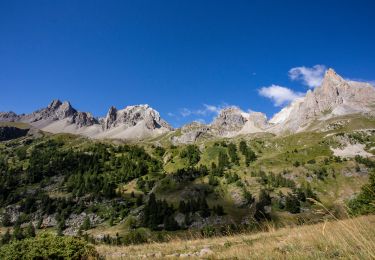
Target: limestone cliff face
191, 133
132, 115
231, 121
334, 97
140, 121
56, 111
8, 117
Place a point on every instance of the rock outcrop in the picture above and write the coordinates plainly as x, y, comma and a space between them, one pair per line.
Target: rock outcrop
132, 122
8, 117
335, 97
232, 121
11, 132
191, 133
132, 115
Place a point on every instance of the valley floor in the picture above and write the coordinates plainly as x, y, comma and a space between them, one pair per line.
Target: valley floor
344, 239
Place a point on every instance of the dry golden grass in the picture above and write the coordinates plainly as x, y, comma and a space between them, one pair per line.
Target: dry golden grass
344, 239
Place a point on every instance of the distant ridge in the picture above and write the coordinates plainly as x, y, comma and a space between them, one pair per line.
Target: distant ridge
335, 97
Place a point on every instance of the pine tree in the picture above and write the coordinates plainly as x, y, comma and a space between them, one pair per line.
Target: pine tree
17, 232
182, 207
170, 223
6, 222
60, 227
6, 238
219, 210
243, 147
86, 225
203, 207
139, 201
30, 230
232, 150
223, 160
264, 201
292, 204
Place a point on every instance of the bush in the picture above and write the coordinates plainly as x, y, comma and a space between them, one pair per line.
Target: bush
292, 204
364, 202
48, 247
208, 231
191, 153
137, 236
212, 180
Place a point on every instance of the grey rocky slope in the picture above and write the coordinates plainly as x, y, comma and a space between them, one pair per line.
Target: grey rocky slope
191, 133
230, 122
335, 97
132, 122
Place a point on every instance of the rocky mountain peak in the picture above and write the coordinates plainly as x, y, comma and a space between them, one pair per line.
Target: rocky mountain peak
335, 97
110, 118
331, 74
132, 115
8, 116
54, 104
139, 121
65, 110
331, 82
229, 117
232, 120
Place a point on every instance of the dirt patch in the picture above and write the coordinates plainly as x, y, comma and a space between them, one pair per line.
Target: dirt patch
351, 150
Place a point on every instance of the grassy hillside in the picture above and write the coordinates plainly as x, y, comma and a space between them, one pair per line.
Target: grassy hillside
344, 239
109, 192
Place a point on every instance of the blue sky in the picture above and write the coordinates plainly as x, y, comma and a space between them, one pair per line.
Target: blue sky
187, 59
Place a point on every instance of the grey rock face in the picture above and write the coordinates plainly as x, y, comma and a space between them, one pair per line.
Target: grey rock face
229, 120
61, 117
54, 111
83, 119
334, 97
132, 115
191, 133
259, 119
233, 121
10, 132
8, 117
111, 117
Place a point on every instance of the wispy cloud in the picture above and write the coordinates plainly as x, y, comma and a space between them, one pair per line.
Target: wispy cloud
203, 114
279, 95
185, 112
371, 82
200, 120
204, 111
312, 77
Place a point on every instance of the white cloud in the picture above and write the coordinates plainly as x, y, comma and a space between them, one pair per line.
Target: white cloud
204, 111
279, 95
185, 112
311, 77
200, 120
371, 82
211, 109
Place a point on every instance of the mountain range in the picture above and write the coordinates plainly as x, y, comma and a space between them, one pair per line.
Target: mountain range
335, 97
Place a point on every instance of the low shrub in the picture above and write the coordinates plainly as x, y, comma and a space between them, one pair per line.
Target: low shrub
48, 246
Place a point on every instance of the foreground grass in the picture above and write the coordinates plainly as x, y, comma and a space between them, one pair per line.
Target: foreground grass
348, 239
